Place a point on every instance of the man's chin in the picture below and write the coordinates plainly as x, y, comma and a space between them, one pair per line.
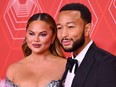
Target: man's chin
67, 49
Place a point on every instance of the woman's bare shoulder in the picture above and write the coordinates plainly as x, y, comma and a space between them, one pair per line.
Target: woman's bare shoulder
61, 60
13, 69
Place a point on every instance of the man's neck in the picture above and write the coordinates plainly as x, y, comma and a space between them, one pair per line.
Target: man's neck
81, 48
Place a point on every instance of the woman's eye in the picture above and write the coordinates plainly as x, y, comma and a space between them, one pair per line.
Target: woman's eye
31, 33
43, 35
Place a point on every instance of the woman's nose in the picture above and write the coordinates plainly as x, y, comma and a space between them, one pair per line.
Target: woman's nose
36, 39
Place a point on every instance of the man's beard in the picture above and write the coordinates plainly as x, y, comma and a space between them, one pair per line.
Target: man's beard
76, 45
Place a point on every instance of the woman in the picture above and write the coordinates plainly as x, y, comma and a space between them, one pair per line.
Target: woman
44, 63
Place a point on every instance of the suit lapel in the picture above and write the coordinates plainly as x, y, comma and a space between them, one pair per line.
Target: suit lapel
84, 68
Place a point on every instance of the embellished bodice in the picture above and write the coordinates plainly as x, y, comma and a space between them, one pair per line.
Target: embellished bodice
53, 83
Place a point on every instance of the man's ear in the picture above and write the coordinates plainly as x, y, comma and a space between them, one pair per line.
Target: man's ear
87, 29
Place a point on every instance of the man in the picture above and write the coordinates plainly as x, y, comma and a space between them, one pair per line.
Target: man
96, 67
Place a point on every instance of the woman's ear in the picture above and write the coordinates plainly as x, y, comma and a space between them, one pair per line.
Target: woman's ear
53, 38
87, 29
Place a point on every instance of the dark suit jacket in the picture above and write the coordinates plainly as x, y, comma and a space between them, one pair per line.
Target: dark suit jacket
98, 69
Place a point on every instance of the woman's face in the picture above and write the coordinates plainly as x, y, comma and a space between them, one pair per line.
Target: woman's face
39, 36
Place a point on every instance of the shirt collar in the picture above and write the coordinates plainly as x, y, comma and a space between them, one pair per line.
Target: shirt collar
81, 55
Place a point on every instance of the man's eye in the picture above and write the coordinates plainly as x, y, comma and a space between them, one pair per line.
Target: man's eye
70, 26
59, 27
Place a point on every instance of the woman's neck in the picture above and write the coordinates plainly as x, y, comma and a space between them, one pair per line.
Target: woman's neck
39, 57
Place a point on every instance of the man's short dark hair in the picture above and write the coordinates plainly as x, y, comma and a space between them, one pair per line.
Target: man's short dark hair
85, 13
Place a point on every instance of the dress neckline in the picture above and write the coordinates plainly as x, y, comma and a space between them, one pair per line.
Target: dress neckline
53, 83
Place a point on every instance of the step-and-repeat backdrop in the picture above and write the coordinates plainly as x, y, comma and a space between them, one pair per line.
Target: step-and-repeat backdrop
15, 13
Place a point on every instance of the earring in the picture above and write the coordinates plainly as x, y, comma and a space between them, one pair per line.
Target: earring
52, 42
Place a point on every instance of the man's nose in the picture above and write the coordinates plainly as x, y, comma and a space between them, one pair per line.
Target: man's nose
64, 32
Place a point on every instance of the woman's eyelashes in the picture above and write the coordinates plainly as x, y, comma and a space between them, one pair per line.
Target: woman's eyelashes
31, 33
43, 34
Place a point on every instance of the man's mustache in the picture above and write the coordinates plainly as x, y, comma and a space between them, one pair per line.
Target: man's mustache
65, 39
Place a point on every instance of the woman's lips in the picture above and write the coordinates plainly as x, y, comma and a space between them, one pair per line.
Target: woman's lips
36, 45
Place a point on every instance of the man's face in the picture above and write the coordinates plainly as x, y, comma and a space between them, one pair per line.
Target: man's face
70, 30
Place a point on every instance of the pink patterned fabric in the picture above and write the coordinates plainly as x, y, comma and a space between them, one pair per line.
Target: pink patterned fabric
2, 83
5, 83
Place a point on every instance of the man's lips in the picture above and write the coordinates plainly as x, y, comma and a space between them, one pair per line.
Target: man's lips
66, 42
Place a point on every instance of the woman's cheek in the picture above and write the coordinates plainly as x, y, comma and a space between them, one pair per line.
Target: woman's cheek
29, 39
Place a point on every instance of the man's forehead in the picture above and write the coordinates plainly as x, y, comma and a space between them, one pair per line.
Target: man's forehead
70, 12
68, 16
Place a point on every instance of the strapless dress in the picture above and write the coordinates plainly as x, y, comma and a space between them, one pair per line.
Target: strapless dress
9, 83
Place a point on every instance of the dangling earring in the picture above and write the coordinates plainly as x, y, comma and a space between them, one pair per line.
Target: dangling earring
52, 42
